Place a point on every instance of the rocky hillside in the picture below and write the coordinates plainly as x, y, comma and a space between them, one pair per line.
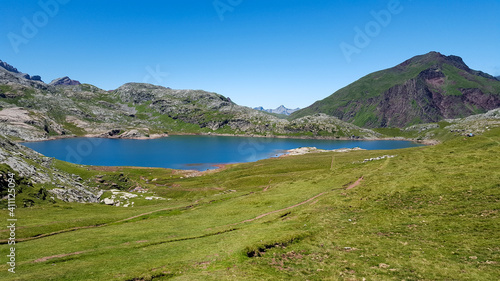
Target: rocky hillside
37, 178
426, 88
448, 128
33, 110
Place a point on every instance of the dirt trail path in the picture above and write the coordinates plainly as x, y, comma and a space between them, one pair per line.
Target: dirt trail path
59, 256
53, 233
90, 226
148, 213
356, 183
287, 208
351, 186
267, 187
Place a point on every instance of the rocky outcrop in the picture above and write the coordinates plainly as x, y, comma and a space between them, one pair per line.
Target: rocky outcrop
64, 81
27, 125
307, 150
18, 74
8, 67
36, 78
468, 126
77, 193
21, 79
475, 124
40, 171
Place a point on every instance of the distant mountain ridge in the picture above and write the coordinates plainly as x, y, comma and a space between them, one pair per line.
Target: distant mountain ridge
280, 110
423, 89
19, 74
32, 110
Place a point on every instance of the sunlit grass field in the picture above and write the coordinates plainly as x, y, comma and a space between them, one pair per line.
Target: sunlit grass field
429, 213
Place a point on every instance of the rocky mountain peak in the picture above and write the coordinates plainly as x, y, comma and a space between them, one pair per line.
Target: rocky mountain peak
8, 67
64, 81
435, 58
19, 74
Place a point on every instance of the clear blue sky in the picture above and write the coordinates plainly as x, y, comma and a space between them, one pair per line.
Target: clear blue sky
257, 52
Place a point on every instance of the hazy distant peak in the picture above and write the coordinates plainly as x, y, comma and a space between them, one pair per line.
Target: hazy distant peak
279, 110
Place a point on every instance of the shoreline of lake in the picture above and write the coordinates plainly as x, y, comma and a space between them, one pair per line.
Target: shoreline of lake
188, 152
158, 136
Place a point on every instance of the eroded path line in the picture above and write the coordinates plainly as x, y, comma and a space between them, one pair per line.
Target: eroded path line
280, 210
147, 245
53, 233
356, 183
152, 212
4, 241
59, 256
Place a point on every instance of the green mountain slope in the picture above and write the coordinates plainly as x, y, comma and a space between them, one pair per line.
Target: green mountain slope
423, 89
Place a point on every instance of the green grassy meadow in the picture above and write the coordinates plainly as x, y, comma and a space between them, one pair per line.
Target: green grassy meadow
429, 213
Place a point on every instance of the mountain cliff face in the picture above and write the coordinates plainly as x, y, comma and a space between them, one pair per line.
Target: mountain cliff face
423, 89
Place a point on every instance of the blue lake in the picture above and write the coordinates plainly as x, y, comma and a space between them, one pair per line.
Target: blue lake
188, 152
